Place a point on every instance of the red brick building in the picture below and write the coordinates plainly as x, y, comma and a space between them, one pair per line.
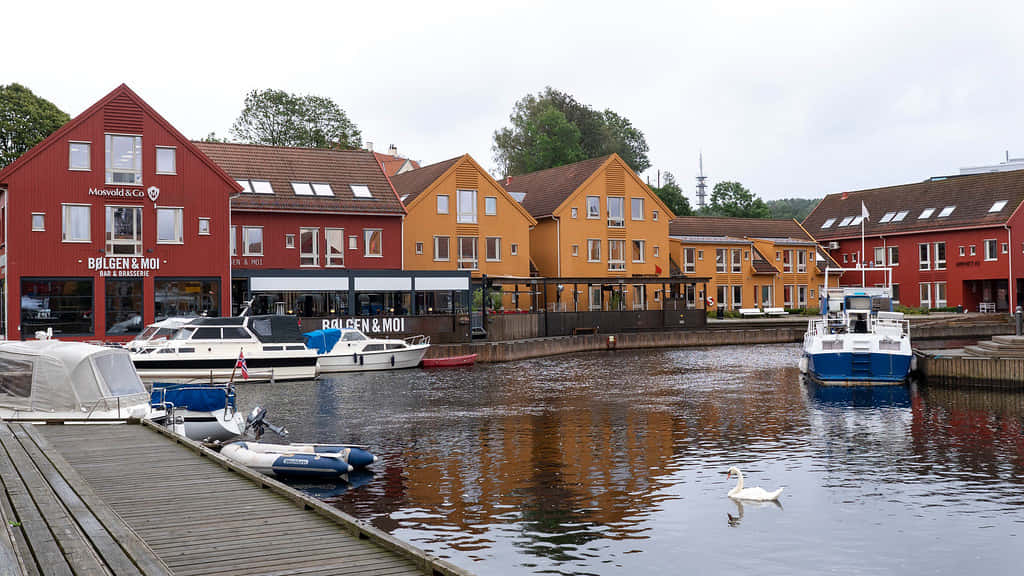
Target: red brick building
113, 221
950, 241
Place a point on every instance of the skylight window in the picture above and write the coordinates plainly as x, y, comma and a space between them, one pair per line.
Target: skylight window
245, 186
946, 211
888, 216
262, 187
846, 221
900, 215
828, 223
322, 189
518, 196
857, 220
302, 188
927, 213
998, 206
360, 191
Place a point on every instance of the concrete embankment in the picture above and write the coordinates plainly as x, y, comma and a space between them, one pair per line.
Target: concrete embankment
996, 363
737, 332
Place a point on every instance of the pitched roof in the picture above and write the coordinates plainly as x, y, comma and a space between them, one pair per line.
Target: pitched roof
546, 190
393, 164
972, 196
281, 166
122, 91
411, 184
707, 226
761, 264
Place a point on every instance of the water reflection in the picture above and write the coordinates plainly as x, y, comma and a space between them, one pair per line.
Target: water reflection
609, 461
735, 520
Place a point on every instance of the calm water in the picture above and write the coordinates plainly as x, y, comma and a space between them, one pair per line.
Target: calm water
605, 463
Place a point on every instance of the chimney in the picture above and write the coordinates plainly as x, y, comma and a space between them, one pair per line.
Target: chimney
393, 150
508, 180
369, 146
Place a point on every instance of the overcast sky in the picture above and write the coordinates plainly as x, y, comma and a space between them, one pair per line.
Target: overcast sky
793, 99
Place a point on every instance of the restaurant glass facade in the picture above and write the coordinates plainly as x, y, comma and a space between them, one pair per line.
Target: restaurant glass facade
124, 306
186, 297
65, 304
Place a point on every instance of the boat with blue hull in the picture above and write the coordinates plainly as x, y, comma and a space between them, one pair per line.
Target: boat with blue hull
859, 339
299, 460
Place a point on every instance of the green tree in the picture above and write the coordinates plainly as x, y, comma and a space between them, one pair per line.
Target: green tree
25, 120
277, 118
672, 195
731, 199
536, 133
212, 137
787, 208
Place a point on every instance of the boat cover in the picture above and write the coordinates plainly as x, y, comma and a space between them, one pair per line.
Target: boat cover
193, 397
322, 341
58, 376
276, 329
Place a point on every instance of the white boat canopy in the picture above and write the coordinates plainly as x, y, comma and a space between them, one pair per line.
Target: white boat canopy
58, 376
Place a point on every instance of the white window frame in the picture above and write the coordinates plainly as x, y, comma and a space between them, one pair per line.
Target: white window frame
654, 216
801, 262
893, 256
367, 234
722, 291
110, 242
995, 246
594, 303
939, 263
245, 240
88, 156
736, 258
110, 171
448, 248
314, 256
497, 249
721, 265
925, 294
470, 261
787, 261
689, 262
616, 264
801, 296
620, 221
447, 204
419, 248
787, 295
635, 214
199, 230
339, 261
591, 242
360, 190
174, 160
179, 224
1004, 248
65, 213
575, 249
466, 214
573, 212
593, 207
924, 256
643, 251
514, 248
940, 302
490, 205
234, 240
879, 256
289, 241
737, 296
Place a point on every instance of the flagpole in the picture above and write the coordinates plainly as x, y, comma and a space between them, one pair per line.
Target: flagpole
863, 254
232, 380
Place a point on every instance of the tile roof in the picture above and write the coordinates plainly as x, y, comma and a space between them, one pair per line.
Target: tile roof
412, 184
735, 227
282, 166
761, 264
973, 195
392, 164
546, 190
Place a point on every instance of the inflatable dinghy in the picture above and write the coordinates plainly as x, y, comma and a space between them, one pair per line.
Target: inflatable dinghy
319, 460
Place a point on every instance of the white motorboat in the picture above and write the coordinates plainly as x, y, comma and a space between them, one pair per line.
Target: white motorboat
51, 379
208, 350
858, 339
157, 333
349, 350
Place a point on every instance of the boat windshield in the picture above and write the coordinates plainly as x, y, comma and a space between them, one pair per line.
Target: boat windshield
147, 333
353, 336
183, 334
119, 374
858, 303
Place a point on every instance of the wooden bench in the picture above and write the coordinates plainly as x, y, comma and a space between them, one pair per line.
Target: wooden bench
776, 312
590, 330
753, 312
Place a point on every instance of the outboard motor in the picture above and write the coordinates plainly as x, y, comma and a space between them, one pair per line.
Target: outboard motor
256, 421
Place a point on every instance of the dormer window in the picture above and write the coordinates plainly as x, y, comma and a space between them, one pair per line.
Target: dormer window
926, 214
998, 206
946, 211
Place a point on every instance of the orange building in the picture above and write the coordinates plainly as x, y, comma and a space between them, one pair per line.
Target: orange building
598, 225
752, 262
459, 218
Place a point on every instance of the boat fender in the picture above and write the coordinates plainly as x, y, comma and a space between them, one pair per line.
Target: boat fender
392, 359
355, 358
913, 363
361, 359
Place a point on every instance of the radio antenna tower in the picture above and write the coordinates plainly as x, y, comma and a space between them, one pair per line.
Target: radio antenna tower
701, 185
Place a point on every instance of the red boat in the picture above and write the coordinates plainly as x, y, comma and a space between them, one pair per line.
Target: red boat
449, 362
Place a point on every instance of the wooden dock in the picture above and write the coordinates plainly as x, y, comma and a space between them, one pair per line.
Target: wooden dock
137, 499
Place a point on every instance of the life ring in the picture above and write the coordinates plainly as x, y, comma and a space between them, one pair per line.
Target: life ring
711, 302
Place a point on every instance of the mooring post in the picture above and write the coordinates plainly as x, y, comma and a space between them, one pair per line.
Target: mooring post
1019, 315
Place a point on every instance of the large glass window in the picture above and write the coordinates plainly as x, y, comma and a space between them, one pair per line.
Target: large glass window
335, 246
372, 243
467, 253
309, 251
169, 228
593, 206
616, 207
75, 224
78, 156
64, 304
124, 159
124, 230
616, 254
186, 297
441, 248
252, 240
467, 206
123, 305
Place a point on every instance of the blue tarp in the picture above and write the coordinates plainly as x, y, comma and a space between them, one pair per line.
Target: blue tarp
322, 340
192, 397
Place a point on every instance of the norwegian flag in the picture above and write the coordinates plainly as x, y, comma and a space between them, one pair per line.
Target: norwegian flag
241, 365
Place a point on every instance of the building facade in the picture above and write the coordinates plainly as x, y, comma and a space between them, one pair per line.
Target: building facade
112, 222
751, 263
598, 225
949, 241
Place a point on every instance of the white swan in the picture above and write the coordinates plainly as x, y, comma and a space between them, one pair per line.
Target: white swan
757, 493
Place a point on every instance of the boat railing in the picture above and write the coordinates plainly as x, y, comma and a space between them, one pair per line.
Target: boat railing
418, 340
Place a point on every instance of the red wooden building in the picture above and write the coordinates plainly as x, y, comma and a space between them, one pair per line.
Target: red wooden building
950, 241
113, 221
315, 232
